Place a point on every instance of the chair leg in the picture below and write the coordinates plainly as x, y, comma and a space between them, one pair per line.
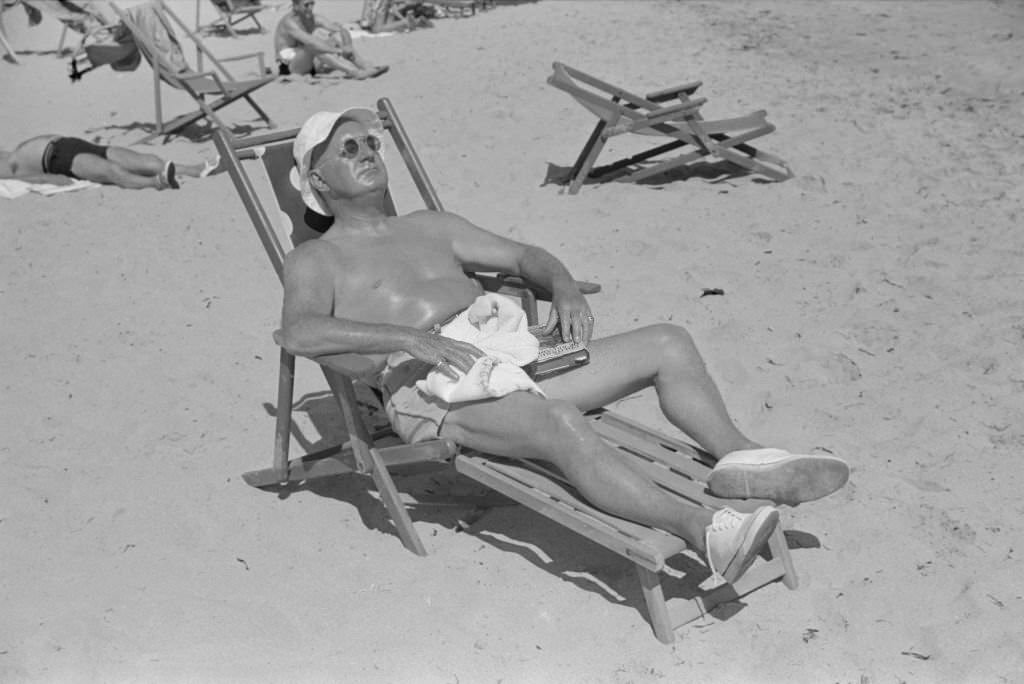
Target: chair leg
283, 428
7, 45
396, 509
588, 155
657, 609
779, 548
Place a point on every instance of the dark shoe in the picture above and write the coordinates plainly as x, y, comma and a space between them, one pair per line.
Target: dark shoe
168, 178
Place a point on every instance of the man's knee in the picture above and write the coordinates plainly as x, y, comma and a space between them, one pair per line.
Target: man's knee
674, 343
564, 420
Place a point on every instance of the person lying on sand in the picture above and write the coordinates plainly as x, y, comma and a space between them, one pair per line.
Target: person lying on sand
385, 16
378, 285
58, 159
306, 43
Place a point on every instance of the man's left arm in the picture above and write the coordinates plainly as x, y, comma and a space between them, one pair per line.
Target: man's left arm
478, 249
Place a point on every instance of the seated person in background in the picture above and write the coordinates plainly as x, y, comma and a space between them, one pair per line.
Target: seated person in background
58, 159
306, 43
382, 16
378, 285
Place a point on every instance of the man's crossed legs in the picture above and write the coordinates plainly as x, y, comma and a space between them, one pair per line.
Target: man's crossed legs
664, 356
305, 59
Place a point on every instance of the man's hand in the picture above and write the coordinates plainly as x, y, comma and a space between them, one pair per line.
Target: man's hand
570, 311
444, 353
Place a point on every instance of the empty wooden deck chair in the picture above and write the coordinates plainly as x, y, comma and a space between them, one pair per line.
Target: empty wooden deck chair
151, 27
259, 168
230, 13
671, 113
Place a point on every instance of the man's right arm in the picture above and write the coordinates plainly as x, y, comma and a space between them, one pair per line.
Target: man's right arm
308, 325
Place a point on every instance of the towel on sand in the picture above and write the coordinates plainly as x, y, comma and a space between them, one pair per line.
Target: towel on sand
11, 188
497, 326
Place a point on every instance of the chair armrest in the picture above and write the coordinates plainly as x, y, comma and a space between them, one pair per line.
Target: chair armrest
352, 366
200, 76
673, 92
658, 116
258, 55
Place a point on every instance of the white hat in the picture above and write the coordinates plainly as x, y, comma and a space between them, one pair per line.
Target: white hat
316, 130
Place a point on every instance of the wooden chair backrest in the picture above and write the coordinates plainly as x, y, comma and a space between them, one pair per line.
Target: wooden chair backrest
152, 26
608, 106
290, 222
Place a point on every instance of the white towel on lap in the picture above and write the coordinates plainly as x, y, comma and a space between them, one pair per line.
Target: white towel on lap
497, 326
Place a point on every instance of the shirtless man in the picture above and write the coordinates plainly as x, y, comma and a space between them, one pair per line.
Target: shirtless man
58, 160
376, 285
306, 43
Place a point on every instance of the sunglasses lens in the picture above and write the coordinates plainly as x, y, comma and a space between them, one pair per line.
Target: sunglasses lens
351, 147
373, 142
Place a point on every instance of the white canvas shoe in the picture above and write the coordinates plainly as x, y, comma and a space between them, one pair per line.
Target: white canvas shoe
777, 475
733, 540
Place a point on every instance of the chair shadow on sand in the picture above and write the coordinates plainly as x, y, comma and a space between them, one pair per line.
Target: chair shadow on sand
194, 132
713, 172
439, 495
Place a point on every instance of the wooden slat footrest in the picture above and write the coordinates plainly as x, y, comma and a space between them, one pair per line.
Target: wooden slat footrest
519, 481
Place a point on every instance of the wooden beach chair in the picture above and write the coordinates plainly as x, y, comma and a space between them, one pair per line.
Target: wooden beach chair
151, 27
85, 18
259, 168
672, 113
230, 13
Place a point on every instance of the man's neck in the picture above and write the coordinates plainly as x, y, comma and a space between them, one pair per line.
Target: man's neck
366, 209
364, 219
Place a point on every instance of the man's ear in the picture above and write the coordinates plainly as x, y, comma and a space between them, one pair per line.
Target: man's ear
317, 181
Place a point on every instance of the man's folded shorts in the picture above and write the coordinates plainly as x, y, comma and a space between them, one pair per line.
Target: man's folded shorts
414, 415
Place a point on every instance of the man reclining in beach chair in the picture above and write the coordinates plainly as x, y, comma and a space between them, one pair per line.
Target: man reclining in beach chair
307, 43
59, 159
392, 288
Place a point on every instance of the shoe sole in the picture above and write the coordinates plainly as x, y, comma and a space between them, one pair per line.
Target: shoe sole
793, 480
755, 536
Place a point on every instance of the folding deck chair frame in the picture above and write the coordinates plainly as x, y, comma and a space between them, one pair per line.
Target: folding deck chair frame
620, 112
11, 55
217, 82
676, 465
230, 13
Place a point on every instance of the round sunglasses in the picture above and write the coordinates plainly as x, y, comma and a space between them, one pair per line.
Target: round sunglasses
350, 145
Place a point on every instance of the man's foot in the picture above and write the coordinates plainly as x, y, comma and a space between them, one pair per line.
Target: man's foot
777, 475
210, 166
733, 540
168, 177
378, 70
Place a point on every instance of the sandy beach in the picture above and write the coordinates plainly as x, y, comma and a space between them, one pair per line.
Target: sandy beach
872, 308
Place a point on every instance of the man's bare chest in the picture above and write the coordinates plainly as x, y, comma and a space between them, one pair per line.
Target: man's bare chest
396, 265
